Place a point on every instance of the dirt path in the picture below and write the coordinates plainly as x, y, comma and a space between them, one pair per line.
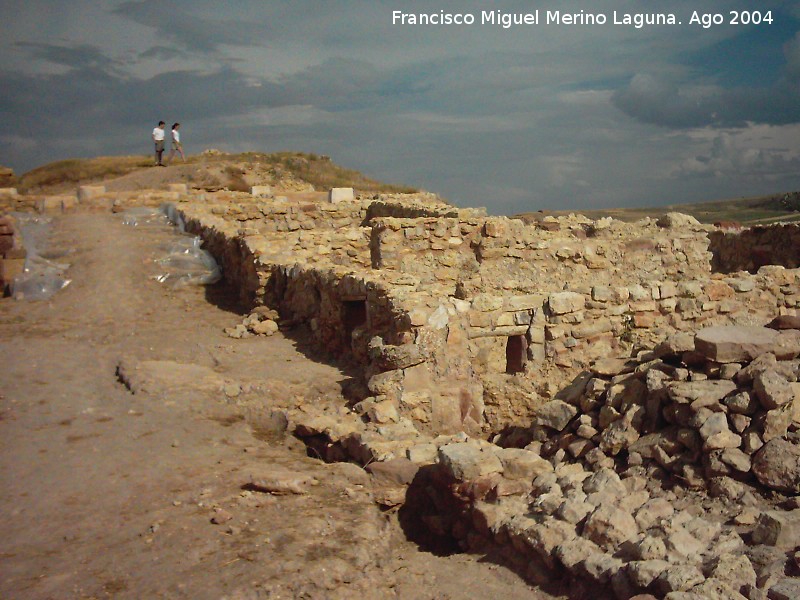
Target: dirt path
109, 494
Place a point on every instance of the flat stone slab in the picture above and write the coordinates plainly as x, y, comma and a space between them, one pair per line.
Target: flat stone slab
786, 589
467, 461
735, 343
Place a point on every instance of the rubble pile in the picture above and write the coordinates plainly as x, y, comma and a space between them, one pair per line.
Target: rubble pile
718, 404
676, 473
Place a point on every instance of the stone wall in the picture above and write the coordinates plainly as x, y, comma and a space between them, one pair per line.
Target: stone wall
432, 249
477, 320
12, 253
497, 312
753, 248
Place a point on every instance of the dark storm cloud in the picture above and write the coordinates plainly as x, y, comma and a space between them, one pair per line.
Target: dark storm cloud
162, 53
686, 103
80, 56
192, 32
67, 103
512, 119
658, 101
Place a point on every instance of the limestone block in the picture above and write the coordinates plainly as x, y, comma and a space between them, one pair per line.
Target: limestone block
89, 192
49, 205
565, 302
735, 343
644, 572
777, 466
341, 195
777, 422
602, 293
742, 403
522, 464
713, 589
487, 302
383, 412
466, 461
180, 188
734, 569
68, 202
422, 453
690, 289
644, 320
785, 589
592, 328
261, 191
700, 393
643, 306
524, 302
609, 527
555, 414
9, 192
772, 390
778, 528
678, 578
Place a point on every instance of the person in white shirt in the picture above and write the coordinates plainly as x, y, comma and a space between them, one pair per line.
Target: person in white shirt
158, 138
176, 143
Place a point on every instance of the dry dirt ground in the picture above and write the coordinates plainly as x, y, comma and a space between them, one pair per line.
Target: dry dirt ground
106, 493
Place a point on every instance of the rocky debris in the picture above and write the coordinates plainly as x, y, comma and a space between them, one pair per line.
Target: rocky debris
280, 481
682, 418
785, 589
262, 321
589, 497
785, 322
777, 465
221, 516
778, 528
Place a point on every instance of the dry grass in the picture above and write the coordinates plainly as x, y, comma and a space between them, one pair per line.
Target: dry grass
76, 171
317, 170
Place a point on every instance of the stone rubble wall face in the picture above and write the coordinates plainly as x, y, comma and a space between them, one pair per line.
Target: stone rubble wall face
457, 288
754, 248
434, 250
487, 262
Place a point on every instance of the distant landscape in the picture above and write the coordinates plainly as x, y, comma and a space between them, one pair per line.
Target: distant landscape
213, 170
761, 210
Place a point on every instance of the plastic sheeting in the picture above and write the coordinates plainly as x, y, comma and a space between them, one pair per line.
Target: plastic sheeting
174, 216
42, 277
141, 216
183, 262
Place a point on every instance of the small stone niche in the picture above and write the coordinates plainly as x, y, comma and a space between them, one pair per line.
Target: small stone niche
516, 353
354, 314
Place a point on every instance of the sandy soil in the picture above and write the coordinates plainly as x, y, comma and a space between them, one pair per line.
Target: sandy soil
107, 493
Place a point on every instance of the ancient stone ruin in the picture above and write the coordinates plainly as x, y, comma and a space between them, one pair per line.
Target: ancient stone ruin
597, 402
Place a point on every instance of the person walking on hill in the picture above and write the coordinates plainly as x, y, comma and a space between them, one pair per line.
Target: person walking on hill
158, 138
176, 143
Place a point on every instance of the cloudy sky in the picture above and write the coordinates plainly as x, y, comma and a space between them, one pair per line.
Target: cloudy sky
525, 118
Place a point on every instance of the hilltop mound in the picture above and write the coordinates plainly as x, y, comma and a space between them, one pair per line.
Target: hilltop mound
212, 170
